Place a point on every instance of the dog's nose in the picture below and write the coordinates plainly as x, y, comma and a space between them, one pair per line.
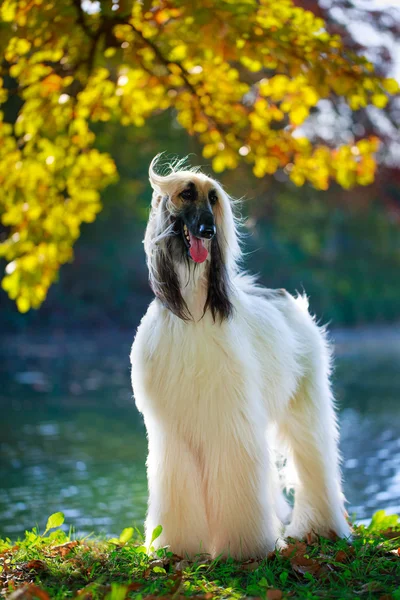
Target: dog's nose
207, 231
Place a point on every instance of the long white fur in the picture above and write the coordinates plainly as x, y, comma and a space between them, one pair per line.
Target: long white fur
213, 394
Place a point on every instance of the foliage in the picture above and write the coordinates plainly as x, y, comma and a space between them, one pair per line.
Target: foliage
243, 76
297, 239
62, 566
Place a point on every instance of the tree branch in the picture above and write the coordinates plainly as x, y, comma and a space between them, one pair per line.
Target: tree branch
81, 19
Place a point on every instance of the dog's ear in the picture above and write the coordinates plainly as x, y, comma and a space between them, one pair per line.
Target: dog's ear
164, 282
218, 300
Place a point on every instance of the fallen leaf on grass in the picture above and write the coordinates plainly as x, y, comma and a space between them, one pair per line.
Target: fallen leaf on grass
291, 549
181, 566
274, 594
390, 533
35, 565
64, 549
250, 565
341, 556
28, 592
134, 586
302, 564
302, 567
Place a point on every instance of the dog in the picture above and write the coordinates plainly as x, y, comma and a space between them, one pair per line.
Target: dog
224, 371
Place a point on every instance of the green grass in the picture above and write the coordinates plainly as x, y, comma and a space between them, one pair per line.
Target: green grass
57, 565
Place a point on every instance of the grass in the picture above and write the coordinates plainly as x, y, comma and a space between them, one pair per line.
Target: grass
56, 565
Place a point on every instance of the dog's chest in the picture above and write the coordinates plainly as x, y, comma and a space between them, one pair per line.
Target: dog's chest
198, 373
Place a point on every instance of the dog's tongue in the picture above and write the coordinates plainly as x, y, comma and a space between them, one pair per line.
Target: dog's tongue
197, 249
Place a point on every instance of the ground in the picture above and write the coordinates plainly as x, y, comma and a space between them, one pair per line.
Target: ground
59, 565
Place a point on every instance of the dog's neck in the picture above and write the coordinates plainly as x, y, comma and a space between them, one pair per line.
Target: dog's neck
193, 283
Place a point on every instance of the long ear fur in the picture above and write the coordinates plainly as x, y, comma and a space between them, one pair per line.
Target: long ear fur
218, 285
163, 279
165, 284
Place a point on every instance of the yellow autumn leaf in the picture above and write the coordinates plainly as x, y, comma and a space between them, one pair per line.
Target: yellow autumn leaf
298, 115
379, 100
391, 86
23, 304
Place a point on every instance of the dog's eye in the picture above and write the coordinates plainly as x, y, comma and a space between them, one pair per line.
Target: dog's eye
187, 194
212, 196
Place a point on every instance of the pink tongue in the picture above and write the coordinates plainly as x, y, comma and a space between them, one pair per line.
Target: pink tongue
197, 249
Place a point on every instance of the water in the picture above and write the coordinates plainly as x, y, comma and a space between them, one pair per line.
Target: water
72, 440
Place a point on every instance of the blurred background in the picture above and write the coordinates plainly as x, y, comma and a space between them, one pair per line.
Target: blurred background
70, 436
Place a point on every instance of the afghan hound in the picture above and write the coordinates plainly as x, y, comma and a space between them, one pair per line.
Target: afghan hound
220, 368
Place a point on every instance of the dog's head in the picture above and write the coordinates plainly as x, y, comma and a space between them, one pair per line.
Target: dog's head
191, 225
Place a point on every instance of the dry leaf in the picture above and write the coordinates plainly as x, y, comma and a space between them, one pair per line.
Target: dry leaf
341, 556
134, 586
291, 549
274, 595
300, 567
250, 565
390, 533
28, 592
181, 565
35, 565
64, 549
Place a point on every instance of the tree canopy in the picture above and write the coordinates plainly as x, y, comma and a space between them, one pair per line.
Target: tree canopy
242, 76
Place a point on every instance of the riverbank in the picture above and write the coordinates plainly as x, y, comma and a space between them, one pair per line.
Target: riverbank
58, 566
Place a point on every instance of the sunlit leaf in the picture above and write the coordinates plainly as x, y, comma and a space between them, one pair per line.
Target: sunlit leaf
156, 534
126, 535
55, 520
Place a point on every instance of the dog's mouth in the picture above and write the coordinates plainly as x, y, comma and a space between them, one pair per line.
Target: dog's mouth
196, 246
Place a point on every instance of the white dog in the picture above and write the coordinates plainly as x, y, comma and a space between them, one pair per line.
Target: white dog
218, 363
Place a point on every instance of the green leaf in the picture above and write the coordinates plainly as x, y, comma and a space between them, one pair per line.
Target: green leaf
381, 521
140, 550
283, 577
156, 533
126, 535
159, 570
55, 520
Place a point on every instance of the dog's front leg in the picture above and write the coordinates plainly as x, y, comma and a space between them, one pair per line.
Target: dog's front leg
176, 500
310, 431
243, 521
